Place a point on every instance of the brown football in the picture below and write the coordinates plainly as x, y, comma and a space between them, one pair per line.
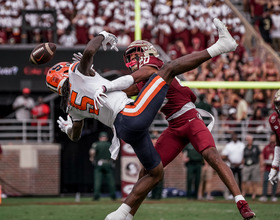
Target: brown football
42, 53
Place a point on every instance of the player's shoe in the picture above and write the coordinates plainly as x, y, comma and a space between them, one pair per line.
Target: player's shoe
226, 43
245, 210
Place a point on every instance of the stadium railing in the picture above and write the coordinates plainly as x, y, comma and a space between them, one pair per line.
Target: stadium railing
26, 131
32, 131
222, 135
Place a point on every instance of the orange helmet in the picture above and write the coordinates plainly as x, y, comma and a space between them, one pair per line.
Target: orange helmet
56, 76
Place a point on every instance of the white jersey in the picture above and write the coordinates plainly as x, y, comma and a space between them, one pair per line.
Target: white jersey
81, 98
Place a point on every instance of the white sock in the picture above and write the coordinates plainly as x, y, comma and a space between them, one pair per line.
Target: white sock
120, 213
124, 208
238, 198
129, 217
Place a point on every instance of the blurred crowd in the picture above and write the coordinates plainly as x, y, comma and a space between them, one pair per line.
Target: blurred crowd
179, 27
162, 21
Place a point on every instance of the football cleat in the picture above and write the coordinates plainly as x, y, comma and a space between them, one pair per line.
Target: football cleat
245, 210
226, 43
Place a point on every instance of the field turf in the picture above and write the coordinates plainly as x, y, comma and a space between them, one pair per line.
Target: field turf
62, 208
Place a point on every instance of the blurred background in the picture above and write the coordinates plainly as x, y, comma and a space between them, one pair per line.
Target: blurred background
38, 159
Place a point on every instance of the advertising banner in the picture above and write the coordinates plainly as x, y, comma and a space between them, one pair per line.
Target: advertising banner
16, 72
130, 167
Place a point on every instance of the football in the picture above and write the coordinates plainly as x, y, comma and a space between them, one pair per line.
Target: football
42, 53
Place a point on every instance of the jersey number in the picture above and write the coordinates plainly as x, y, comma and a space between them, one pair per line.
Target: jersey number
144, 60
84, 102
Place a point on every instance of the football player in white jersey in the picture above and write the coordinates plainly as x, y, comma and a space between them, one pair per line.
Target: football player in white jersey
83, 96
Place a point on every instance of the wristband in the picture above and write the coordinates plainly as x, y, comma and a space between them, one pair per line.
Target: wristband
104, 34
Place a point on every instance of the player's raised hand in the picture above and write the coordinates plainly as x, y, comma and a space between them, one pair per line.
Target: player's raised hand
98, 97
109, 39
64, 125
273, 176
77, 57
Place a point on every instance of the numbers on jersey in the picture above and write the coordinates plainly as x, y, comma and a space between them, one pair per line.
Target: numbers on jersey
85, 101
144, 60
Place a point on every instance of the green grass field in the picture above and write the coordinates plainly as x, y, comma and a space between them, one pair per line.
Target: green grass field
165, 209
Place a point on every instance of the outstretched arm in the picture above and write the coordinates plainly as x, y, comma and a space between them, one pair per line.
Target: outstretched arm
90, 50
92, 47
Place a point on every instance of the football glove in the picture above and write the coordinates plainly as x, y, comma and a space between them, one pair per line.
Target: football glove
97, 97
109, 39
273, 176
64, 125
77, 57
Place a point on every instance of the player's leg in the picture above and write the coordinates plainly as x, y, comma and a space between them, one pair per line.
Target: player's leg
203, 142
140, 190
188, 62
168, 146
143, 110
132, 126
110, 181
97, 182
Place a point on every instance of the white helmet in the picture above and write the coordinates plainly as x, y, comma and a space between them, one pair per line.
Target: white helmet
140, 49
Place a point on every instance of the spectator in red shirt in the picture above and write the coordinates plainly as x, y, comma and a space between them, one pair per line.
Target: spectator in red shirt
40, 112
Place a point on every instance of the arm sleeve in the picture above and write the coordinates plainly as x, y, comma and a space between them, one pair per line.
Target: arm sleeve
120, 84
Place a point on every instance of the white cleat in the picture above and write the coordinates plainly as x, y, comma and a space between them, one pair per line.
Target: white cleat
226, 43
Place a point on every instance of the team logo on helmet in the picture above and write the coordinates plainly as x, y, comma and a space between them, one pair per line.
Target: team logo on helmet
138, 50
56, 76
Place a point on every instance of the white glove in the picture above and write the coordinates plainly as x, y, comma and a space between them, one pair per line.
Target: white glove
97, 97
272, 176
64, 125
77, 57
109, 39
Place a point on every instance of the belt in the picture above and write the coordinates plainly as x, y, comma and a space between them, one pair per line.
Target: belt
102, 161
190, 106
